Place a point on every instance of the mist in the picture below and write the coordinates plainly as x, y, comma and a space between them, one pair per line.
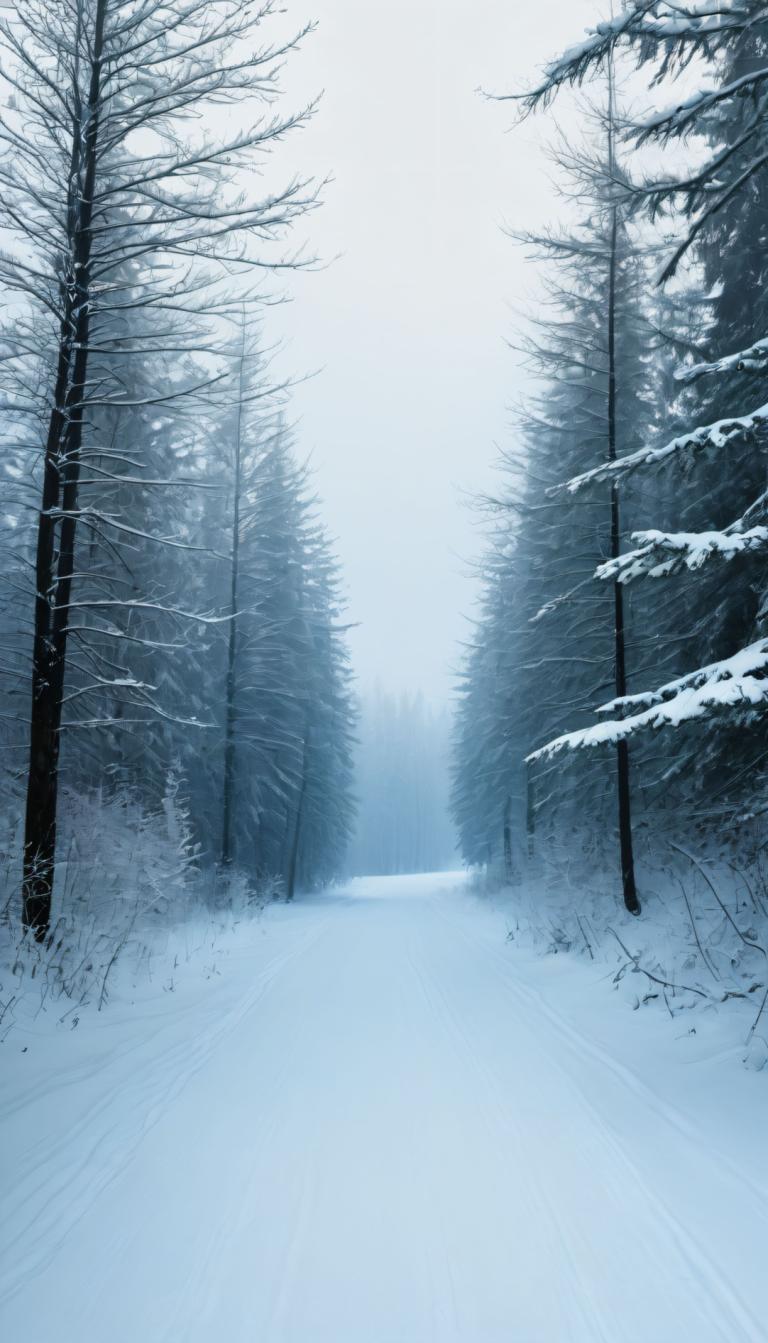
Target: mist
410, 319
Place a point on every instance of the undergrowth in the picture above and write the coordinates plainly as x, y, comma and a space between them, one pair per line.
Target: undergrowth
701, 941
126, 876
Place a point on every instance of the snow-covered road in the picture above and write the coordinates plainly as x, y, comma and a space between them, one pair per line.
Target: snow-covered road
381, 1124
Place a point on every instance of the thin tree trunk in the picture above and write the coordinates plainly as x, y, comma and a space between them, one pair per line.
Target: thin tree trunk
507, 822
629, 888
530, 812
60, 474
231, 716
294, 862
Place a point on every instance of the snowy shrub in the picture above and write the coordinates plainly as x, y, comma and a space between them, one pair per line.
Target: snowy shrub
239, 893
129, 879
125, 872
703, 940
120, 857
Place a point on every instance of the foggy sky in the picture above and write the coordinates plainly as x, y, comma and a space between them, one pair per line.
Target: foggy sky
409, 323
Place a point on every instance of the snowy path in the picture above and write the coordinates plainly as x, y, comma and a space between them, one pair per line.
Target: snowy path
386, 1135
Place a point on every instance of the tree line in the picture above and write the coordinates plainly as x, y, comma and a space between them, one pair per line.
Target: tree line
401, 771
171, 600
625, 566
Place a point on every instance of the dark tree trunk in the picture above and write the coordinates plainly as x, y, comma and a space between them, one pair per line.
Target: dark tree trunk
530, 813
53, 576
296, 841
508, 839
231, 687
629, 888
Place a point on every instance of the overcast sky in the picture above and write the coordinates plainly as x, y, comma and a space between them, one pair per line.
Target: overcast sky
409, 324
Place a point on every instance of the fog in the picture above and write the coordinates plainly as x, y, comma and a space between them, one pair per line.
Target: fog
406, 324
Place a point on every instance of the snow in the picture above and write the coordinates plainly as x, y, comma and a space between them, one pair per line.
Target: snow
594, 43
677, 120
716, 435
662, 553
737, 683
752, 360
370, 1117
639, 24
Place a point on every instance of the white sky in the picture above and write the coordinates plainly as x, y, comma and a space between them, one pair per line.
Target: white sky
408, 325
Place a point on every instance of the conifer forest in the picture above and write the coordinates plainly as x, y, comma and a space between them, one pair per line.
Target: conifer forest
383, 671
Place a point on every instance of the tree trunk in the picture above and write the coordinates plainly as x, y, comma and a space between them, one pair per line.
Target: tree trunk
508, 839
629, 888
294, 860
230, 721
530, 813
60, 486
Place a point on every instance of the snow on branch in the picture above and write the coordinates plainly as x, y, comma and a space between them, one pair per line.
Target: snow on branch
650, 24
660, 554
736, 686
147, 606
575, 63
716, 435
752, 360
679, 119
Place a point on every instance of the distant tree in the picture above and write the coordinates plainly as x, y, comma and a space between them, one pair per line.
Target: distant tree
489, 738
402, 764
254, 424
287, 712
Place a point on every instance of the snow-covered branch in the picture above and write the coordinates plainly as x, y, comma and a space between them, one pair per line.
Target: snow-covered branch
653, 26
736, 686
660, 554
716, 435
754, 359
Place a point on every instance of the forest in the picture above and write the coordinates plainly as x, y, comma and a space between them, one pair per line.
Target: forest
170, 594
384, 880
610, 714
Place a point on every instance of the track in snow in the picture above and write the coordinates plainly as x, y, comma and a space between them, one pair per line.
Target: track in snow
388, 1138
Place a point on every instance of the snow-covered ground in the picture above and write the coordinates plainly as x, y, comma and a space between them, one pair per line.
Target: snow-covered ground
368, 1118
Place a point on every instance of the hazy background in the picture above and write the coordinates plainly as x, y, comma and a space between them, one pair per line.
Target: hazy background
409, 324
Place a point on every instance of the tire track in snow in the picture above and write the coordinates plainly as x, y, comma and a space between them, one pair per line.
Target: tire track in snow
593, 1052
595, 1327
209, 1276
396, 1149
57, 1191
207, 1273
727, 1304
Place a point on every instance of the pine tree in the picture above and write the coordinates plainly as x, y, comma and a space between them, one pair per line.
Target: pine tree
288, 715
549, 643
713, 197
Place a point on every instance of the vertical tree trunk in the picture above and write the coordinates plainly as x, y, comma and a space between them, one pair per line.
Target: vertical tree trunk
53, 577
294, 859
629, 888
230, 711
508, 839
530, 812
